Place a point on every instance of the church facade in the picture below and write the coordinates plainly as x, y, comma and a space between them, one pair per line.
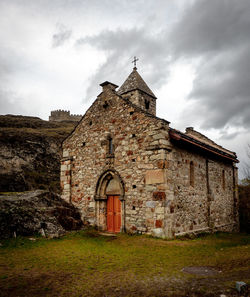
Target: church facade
127, 170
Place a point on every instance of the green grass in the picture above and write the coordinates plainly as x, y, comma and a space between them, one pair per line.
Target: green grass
87, 264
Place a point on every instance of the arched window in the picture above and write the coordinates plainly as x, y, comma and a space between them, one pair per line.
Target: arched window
223, 179
191, 174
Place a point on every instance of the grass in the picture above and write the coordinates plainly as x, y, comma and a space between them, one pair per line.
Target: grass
87, 264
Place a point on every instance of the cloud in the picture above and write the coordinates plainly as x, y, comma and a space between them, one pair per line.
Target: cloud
212, 36
63, 34
120, 47
217, 33
10, 103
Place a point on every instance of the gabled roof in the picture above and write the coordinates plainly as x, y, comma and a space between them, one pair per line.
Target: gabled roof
135, 82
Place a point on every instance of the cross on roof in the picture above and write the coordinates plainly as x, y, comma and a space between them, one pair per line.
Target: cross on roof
134, 61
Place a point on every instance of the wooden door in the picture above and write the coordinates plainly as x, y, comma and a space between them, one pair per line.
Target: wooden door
113, 214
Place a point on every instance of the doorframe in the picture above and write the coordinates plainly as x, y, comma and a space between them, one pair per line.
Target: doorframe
101, 198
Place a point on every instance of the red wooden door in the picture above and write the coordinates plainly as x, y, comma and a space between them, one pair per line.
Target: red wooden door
113, 214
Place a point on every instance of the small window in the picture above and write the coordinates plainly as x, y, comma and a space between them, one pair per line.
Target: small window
147, 104
105, 105
134, 186
90, 123
191, 174
223, 179
110, 146
133, 136
83, 144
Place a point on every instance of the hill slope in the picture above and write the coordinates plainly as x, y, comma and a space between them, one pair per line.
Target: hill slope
30, 152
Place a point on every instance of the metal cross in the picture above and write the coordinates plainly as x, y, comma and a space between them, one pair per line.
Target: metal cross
134, 61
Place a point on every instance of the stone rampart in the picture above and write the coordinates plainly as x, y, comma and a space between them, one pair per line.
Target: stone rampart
63, 115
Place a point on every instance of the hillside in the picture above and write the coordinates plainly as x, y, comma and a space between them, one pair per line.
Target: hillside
30, 152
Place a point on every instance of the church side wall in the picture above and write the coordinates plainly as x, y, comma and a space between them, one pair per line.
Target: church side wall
208, 203
223, 197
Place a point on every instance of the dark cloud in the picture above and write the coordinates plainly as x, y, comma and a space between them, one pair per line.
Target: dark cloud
120, 47
228, 136
213, 35
63, 34
217, 33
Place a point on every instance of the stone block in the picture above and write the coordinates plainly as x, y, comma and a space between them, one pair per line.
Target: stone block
66, 186
154, 177
158, 223
159, 196
158, 136
161, 164
145, 166
241, 286
158, 232
163, 141
92, 204
151, 204
63, 167
159, 210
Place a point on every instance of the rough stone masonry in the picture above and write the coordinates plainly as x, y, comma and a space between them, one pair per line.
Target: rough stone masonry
168, 182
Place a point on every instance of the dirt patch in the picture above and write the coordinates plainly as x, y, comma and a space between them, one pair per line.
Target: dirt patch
201, 270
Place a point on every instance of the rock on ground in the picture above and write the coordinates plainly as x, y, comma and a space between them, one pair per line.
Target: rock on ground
34, 212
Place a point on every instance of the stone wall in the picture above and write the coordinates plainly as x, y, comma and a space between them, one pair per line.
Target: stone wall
64, 115
158, 198
139, 98
208, 204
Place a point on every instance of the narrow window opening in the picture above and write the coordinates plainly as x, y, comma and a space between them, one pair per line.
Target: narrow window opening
131, 112
134, 186
191, 174
90, 123
110, 145
83, 144
147, 104
133, 160
223, 179
105, 105
133, 135
133, 207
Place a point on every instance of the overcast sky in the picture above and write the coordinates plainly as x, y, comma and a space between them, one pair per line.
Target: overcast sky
194, 55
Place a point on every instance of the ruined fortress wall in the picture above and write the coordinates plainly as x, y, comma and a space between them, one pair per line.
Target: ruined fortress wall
63, 115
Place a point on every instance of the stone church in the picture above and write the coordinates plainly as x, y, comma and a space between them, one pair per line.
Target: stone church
127, 170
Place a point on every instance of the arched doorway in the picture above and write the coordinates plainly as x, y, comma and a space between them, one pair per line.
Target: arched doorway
110, 202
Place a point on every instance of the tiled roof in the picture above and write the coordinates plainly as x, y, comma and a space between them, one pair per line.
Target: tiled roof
135, 82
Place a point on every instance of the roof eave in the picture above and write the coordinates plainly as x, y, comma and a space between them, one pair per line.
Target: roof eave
178, 136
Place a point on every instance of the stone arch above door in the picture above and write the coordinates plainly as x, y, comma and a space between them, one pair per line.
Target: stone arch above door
109, 183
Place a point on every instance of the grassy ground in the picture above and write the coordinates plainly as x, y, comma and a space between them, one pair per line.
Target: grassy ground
88, 264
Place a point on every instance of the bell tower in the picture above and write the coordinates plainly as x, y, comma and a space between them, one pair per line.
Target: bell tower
137, 91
